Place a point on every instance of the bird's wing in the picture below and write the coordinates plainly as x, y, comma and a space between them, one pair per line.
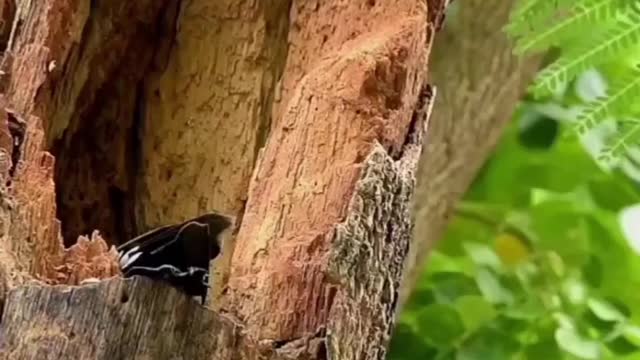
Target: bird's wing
148, 239
137, 251
180, 246
191, 243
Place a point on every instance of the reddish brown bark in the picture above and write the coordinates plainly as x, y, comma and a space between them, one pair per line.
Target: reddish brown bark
32, 245
327, 225
353, 79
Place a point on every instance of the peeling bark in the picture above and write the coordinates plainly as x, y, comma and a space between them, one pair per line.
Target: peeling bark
370, 247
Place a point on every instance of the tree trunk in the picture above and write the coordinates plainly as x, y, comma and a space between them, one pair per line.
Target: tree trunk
303, 118
479, 83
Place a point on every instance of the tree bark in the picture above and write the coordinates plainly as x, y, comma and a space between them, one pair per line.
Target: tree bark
155, 111
357, 84
479, 83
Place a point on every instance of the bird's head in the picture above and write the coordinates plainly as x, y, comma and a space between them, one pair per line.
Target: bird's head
220, 228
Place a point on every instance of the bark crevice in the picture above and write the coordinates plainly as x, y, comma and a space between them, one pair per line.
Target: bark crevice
17, 129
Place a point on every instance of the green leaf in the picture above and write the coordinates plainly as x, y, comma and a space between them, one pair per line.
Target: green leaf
593, 272
632, 334
545, 348
586, 13
408, 344
509, 176
619, 94
470, 228
529, 310
420, 297
577, 200
556, 264
491, 288
595, 50
613, 193
449, 286
440, 324
482, 255
575, 291
563, 231
475, 311
621, 346
563, 320
512, 250
440, 262
573, 343
629, 130
488, 344
605, 311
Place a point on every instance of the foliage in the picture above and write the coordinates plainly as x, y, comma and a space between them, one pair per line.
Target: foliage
535, 264
587, 34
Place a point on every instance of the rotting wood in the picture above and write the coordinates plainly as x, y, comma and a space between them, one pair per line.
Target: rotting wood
141, 319
47, 38
369, 90
110, 320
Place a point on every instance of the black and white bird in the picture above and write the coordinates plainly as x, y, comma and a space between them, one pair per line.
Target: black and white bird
178, 254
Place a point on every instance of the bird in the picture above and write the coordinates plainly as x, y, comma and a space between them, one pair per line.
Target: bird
177, 254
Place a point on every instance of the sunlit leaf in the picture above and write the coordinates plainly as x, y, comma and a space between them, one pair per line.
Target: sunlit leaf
576, 345
604, 310
630, 223
632, 334
482, 255
575, 291
563, 320
491, 288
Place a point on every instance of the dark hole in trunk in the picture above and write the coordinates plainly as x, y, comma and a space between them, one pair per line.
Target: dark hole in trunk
97, 154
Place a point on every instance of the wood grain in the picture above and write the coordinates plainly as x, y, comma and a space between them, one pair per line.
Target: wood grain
110, 320
347, 93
